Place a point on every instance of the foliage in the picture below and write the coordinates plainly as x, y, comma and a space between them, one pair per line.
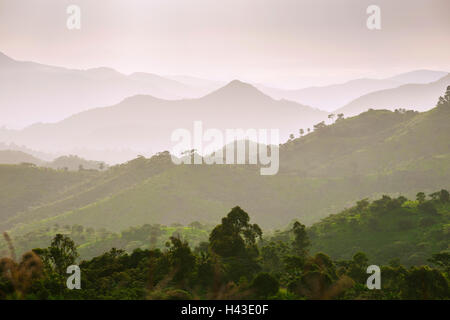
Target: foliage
388, 228
228, 266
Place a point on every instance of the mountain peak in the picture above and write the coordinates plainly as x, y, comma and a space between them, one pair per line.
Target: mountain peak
237, 89
239, 85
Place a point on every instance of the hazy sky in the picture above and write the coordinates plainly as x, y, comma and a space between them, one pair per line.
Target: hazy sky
272, 41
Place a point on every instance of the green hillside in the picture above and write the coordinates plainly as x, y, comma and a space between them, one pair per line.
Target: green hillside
25, 186
377, 141
408, 240
386, 229
92, 242
378, 152
101, 186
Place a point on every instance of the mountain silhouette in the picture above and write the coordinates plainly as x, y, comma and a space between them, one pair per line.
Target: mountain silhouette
32, 92
334, 96
418, 97
145, 123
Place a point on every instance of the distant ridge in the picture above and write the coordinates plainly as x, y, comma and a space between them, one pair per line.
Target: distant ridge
419, 76
71, 162
144, 122
420, 97
332, 97
54, 93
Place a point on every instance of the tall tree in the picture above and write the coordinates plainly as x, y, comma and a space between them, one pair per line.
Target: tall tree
61, 254
235, 241
420, 197
301, 241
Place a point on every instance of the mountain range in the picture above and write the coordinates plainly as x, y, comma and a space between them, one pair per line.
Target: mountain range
101, 114
145, 123
336, 96
418, 97
33, 92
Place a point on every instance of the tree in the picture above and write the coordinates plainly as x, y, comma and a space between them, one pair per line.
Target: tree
358, 266
362, 204
331, 116
181, 259
301, 241
61, 254
441, 260
302, 132
320, 125
340, 116
235, 242
272, 256
434, 196
425, 283
444, 196
235, 236
420, 197
317, 279
445, 100
381, 205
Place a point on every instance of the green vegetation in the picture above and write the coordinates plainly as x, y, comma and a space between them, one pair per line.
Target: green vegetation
378, 152
137, 213
23, 187
236, 263
93, 242
388, 228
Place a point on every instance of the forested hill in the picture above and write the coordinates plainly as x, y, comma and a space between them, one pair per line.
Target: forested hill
376, 141
387, 229
236, 259
378, 152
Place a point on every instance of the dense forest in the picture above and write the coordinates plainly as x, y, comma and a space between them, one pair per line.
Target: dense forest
237, 262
